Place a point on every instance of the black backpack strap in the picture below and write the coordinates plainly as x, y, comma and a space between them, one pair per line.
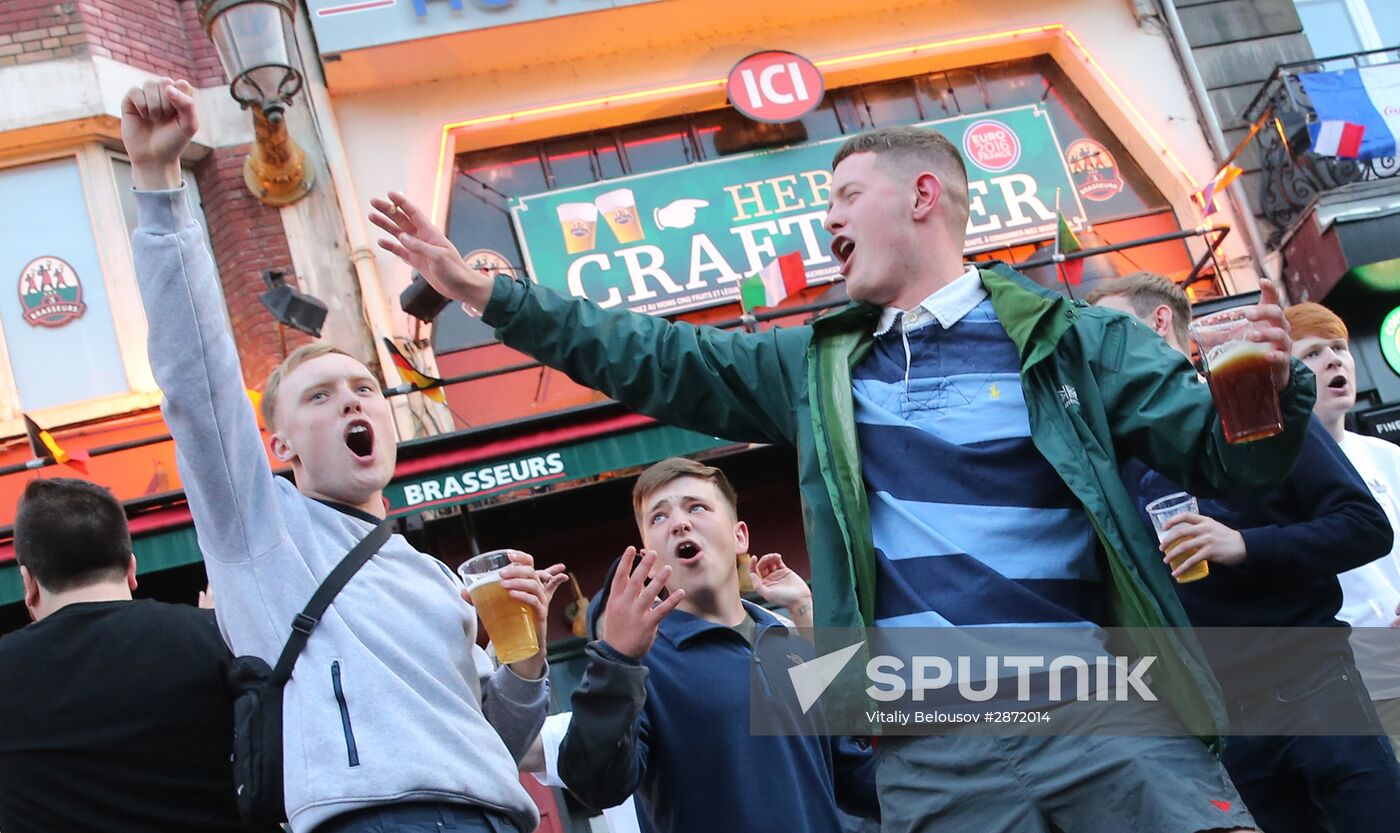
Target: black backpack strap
306, 621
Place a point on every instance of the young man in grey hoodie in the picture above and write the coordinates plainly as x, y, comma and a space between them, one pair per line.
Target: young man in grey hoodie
387, 725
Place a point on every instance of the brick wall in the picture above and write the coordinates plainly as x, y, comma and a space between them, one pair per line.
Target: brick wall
165, 37
160, 36
39, 30
248, 237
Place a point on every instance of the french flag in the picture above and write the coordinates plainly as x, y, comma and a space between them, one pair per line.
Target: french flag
1358, 111
1341, 139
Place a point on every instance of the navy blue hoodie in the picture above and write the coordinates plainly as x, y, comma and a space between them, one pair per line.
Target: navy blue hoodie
674, 730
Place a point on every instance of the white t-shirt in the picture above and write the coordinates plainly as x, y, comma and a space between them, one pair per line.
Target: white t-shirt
1371, 592
619, 819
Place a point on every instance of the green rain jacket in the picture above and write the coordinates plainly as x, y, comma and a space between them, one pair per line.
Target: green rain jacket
1100, 388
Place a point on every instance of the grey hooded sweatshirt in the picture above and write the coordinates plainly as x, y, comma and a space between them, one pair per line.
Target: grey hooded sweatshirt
385, 704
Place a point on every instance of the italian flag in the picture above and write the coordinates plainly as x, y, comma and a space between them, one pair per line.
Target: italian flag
776, 281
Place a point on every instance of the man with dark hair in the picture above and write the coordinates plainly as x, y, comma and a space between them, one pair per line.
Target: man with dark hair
662, 707
958, 433
1274, 558
116, 715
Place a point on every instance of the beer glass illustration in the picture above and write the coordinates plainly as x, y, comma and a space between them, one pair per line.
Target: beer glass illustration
619, 208
1241, 378
579, 221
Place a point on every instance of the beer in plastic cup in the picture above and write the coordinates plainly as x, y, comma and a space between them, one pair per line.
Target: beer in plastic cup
580, 223
619, 208
1241, 377
1163, 509
508, 622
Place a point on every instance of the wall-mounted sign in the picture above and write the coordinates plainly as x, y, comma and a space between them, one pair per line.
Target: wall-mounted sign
346, 25
680, 239
50, 293
488, 262
1095, 172
1390, 339
500, 476
775, 86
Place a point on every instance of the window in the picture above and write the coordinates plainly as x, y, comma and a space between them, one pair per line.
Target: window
72, 332
1340, 27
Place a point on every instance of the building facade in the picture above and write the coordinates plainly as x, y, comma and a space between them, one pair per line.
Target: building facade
591, 145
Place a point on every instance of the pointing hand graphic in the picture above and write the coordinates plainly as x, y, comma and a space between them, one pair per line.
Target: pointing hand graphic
679, 214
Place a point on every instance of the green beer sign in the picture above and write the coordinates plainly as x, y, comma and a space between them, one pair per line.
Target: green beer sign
680, 239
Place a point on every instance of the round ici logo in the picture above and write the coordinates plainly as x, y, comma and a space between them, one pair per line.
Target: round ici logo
992, 145
50, 293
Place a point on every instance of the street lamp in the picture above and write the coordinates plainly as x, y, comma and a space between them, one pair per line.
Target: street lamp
257, 48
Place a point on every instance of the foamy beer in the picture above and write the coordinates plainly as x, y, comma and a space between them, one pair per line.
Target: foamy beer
1163, 510
508, 622
580, 223
620, 210
1241, 377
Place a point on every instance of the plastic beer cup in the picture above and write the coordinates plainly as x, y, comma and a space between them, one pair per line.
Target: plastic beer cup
508, 622
1240, 375
1163, 509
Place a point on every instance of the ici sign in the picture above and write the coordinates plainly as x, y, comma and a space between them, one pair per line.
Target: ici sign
775, 86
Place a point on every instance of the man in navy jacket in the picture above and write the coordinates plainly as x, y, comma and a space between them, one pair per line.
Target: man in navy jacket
663, 708
1274, 559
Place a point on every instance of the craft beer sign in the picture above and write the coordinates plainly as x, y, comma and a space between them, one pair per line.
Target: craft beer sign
775, 86
681, 239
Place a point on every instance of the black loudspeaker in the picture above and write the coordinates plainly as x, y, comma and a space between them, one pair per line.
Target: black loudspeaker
292, 307
421, 301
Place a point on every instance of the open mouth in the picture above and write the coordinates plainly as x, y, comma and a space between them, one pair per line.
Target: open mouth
1338, 383
843, 247
687, 550
359, 438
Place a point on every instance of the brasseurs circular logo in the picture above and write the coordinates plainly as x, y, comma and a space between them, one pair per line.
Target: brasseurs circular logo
50, 293
991, 145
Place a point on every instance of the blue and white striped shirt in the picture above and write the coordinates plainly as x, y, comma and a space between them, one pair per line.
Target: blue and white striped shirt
972, 526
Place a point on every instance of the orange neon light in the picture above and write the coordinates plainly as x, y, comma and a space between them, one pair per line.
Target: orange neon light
603, 101
1128, 103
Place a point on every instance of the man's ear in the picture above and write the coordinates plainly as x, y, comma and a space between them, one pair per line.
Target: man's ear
927, 190
32, 592
741, 537
1162, 320
131, 572
281, 449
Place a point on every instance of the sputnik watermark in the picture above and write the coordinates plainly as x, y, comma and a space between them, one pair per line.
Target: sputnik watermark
1003, 679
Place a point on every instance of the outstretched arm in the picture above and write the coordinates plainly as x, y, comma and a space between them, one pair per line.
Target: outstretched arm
220, 451
741, 386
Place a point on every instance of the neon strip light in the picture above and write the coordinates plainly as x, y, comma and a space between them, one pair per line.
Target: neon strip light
354, 7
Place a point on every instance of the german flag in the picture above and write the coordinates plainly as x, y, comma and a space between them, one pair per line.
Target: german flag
44, 447
430, 386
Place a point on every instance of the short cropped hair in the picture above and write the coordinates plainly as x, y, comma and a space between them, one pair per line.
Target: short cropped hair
1310, 320
1145, 292
674, 468
70, 533
922, 146
295, 359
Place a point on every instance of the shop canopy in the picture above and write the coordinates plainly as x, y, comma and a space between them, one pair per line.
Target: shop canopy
467, 467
